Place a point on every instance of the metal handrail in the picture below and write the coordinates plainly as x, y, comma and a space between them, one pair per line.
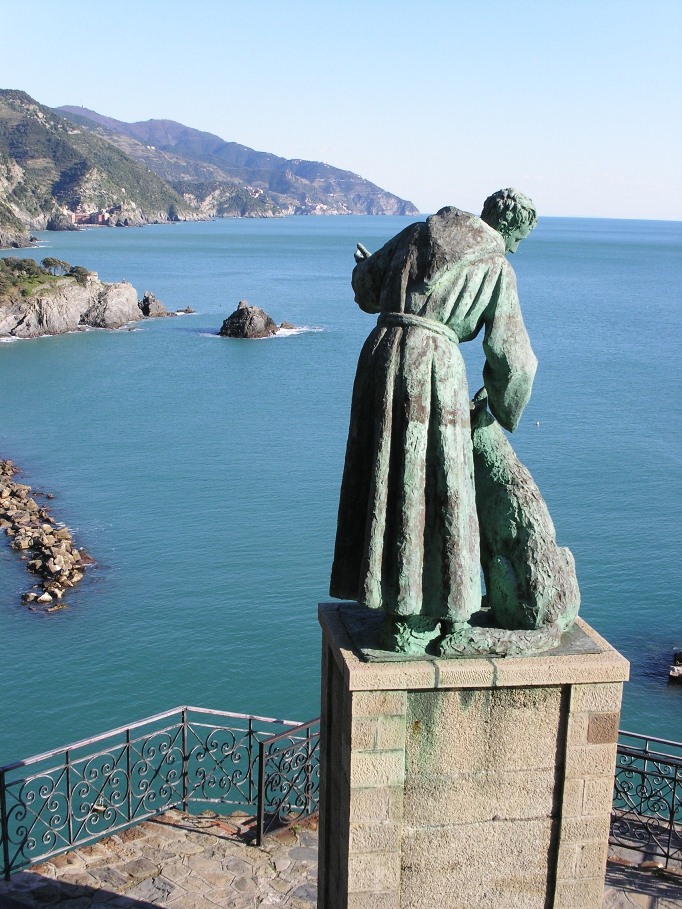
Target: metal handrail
300, 735
624, 746
647, 798
150, 719
71, 796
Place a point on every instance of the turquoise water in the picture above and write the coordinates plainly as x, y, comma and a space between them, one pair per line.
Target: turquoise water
203, 473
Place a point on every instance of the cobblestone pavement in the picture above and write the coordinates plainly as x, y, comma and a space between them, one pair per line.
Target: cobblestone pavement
183, 862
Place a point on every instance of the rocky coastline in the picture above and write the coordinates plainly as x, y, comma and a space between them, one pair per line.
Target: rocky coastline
67, 304
15, 239
46, 545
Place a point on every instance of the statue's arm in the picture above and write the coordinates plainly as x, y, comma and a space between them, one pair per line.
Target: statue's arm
510, 362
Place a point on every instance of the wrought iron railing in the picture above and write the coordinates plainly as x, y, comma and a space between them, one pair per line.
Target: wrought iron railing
647, 797
288, 777
192, 758
186, 757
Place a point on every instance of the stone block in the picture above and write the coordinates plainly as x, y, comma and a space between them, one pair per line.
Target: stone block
428, 892
499, 850
375, 676
598, 698
383, 804
582, 894
379, 703
576, 733
566, 861
584, 829
602, 728
374, 900
573, 798
560, 670
590, 761
481, 796
474, 730
372, 872
591, 859
379, 837
391, 733
464, 673
598, 797
376, 769
364, 732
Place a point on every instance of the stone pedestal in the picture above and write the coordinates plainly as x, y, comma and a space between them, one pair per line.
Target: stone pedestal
466, 784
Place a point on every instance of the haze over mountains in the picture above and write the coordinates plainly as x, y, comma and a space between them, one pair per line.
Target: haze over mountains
61, 167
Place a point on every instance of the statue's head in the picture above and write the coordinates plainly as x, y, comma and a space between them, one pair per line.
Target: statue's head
511, 214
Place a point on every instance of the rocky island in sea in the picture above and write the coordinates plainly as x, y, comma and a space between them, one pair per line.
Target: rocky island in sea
250, 322
56, 297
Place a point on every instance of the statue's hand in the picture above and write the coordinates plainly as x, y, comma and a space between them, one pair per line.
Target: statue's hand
478, 409
361, 253
480, 399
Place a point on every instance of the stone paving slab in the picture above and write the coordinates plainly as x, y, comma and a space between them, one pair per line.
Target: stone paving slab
180, 861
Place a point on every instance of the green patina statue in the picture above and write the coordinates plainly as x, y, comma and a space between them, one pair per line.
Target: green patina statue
432, 491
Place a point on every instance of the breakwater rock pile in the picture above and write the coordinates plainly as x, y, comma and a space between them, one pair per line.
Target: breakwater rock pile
47, 546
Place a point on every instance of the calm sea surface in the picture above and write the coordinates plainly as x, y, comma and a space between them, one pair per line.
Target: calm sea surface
203, 473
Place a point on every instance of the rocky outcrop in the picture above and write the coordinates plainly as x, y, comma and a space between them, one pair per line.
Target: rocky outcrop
151, 308
46, 546
69, 305
14, 239
248, 322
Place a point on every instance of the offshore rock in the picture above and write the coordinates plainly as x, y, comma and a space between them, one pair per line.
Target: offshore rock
152, 308
248, 322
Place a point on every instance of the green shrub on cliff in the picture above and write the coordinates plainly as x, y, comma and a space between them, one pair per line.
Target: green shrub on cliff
22, 277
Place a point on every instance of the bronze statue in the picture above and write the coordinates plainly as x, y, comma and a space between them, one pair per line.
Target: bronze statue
408, 539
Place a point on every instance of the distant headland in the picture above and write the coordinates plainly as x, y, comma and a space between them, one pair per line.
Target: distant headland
63, 168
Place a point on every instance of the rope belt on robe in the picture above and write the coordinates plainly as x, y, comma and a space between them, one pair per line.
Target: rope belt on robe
387, 319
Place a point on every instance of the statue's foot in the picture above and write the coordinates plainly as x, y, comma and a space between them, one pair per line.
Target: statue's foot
410, 635
465, 640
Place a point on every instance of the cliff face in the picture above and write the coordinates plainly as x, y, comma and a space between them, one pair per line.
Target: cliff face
14, 239
69, 306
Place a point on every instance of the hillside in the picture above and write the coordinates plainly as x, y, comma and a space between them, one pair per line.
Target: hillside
52, 172
58, 172
200, 164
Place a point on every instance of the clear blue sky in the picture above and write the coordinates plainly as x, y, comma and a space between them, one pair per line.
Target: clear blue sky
578, 104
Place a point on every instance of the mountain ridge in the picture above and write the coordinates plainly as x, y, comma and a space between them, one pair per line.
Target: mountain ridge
296, 186
63, 167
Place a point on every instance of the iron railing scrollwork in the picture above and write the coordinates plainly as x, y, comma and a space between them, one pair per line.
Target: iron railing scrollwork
288, 777
647, 797
186, 757
191, 758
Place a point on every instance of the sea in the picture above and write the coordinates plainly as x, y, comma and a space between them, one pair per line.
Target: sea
203, 473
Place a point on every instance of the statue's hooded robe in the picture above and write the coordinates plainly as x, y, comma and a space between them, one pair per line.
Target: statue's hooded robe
407, 538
